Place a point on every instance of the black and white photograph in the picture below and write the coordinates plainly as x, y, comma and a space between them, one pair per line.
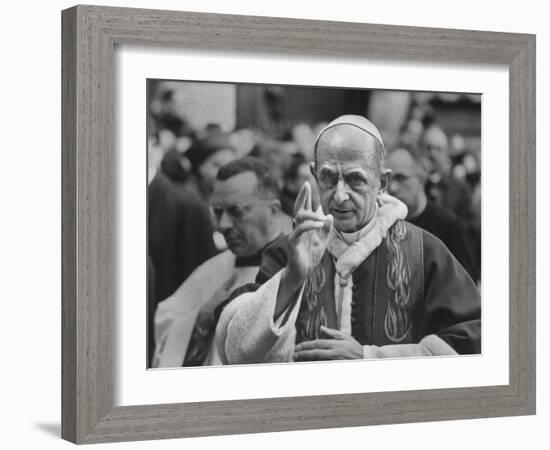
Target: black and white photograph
304, 223
273, 225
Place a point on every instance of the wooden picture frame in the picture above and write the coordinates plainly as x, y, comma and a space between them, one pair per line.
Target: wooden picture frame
90, 34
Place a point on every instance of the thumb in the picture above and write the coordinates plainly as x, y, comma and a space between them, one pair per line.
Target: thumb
331, 333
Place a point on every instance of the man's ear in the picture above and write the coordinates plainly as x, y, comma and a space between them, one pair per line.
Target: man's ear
385, 180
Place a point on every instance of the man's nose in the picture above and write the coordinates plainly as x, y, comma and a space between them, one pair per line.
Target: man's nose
225, 222
341, 194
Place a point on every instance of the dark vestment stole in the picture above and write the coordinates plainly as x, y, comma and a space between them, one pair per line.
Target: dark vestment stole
454, 234
386, 287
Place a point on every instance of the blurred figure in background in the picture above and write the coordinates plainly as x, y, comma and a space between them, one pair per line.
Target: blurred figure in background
243, 141
180, 230
274, 120
206, 155
466, 158
180, 225
180, 233
442, 188
180, 237
170, 137
277, 154
212, 150
408, 184
246, 209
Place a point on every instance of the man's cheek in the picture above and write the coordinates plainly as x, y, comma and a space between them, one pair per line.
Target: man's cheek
325, 200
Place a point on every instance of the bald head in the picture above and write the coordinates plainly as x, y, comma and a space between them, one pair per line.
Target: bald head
401, 161
436, 143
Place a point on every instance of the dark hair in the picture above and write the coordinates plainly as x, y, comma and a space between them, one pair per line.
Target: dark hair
296, 161
267, 183
205, 147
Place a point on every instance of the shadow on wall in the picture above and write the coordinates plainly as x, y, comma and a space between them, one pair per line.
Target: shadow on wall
53, 429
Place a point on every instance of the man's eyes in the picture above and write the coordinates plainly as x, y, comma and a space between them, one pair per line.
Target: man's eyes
355, 180
328, 178
234, 211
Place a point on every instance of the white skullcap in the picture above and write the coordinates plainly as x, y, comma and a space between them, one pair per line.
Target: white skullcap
356, 121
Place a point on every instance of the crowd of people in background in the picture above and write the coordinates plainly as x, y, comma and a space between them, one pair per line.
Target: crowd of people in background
437, 177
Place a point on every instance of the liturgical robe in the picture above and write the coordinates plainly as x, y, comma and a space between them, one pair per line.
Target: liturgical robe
175, 317
408, 297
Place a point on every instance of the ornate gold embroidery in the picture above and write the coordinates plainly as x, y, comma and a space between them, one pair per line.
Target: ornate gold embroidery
398, 276
314, 315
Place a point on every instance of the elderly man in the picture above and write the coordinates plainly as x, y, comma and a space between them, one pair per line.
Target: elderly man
352, 280
408, 181
247, 211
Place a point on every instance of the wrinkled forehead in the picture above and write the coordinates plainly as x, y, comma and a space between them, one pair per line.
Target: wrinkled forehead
346, 144
239, 188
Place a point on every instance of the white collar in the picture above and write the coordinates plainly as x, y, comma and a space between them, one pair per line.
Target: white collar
354, 236
351, 249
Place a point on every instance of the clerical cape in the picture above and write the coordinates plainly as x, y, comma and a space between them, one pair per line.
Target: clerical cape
175, 317
409, 297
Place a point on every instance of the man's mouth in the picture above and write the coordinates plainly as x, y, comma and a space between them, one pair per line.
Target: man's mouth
232, 240
341, 212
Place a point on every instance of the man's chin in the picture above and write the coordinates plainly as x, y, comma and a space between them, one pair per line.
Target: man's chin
346, 225
240, 249
236, 248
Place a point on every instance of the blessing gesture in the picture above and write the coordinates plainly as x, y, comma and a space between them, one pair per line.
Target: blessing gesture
308, 243
310, 237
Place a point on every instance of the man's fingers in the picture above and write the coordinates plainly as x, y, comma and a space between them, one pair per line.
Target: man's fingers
314, 355
308, 225
304, 215
315, 344
331, 333
308, 196
302, 198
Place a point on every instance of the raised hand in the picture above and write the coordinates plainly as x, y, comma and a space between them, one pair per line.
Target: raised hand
308, 242
310, 237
